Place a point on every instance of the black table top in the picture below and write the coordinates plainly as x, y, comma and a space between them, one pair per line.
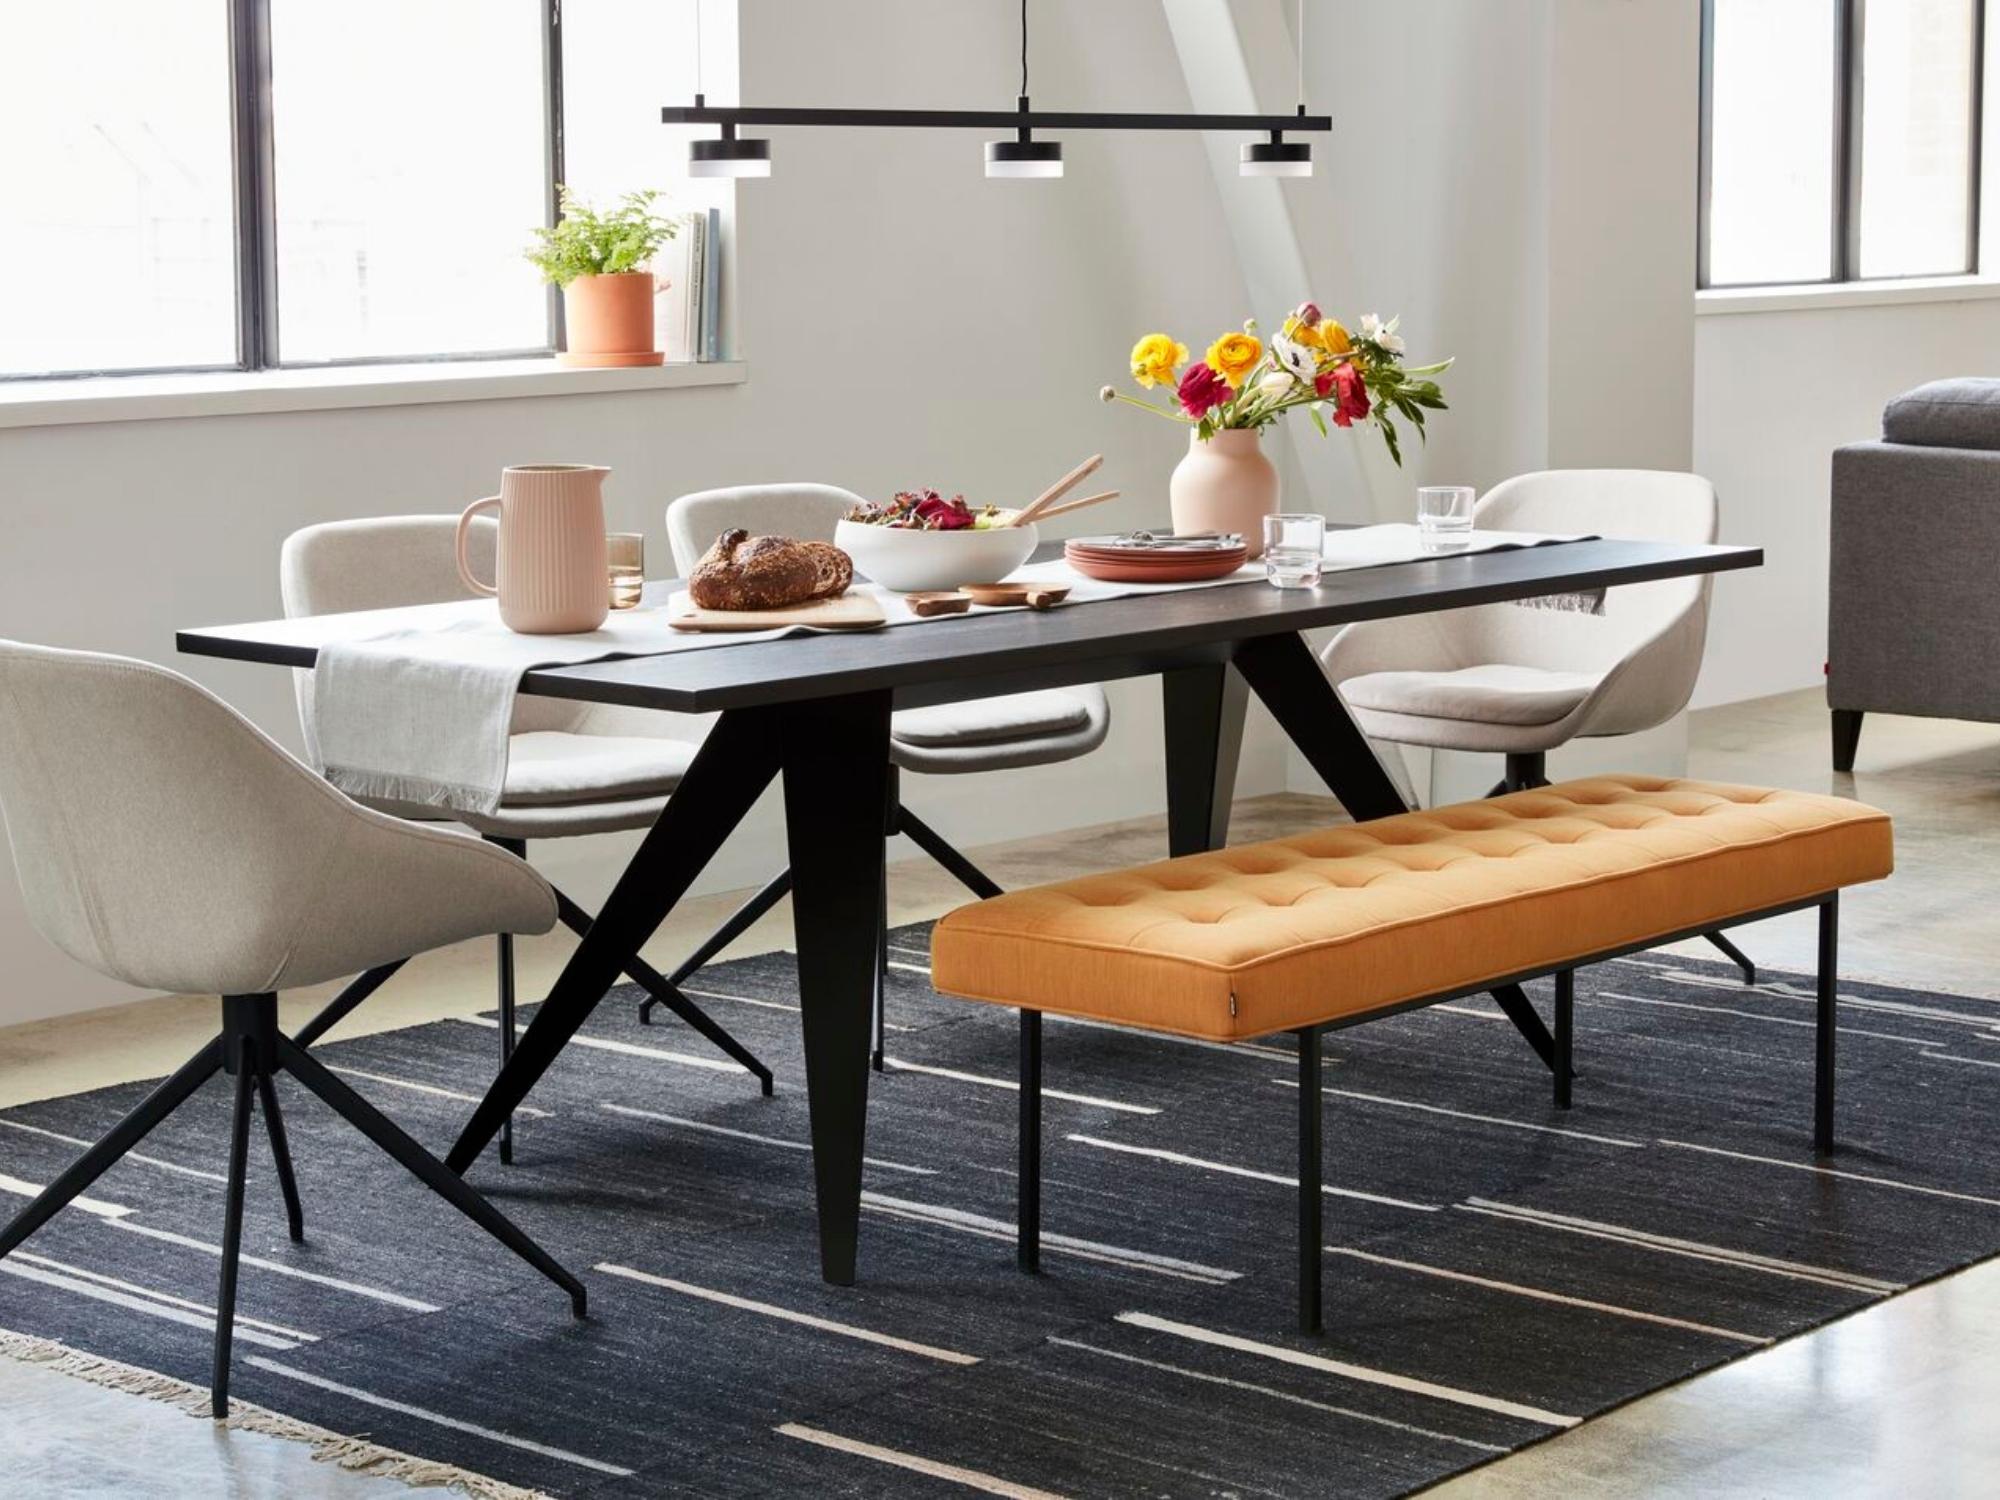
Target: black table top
977, 656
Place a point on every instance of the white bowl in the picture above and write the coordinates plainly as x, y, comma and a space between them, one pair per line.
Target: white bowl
913, 562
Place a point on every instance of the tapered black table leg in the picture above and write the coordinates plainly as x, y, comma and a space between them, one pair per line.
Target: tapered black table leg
126, 1134
836, 754
426, 1168
232, 1229
1826, 1011
1204, 709
732, 768
281, 1153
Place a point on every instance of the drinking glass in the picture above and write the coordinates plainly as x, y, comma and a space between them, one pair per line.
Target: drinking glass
1294, 550
627, 553
1444, 515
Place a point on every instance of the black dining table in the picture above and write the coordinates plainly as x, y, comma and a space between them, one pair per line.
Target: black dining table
815, 710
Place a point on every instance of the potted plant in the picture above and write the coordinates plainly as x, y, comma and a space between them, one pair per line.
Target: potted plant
602, 262
1228, 398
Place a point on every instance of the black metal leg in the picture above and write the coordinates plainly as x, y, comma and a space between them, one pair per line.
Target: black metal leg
663, 991
1290, 682
247, 1064
1846, 737
775, 890
122, 1137
1734, 954
836, 754
281, 1154
1311, 1172
734, 765
961, 869
358, 989
427, 1169
1828, 1005
1527, 770
1519, 1009
1028, 1236
1565, 1030
505, 967
1204, 710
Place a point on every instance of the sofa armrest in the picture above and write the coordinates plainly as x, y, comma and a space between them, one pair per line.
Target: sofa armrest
1914, 581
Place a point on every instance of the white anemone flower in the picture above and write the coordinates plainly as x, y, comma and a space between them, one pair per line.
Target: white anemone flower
1375, 331
1295, 358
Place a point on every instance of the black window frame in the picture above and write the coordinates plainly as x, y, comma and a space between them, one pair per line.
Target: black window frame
1844, 262
254, 204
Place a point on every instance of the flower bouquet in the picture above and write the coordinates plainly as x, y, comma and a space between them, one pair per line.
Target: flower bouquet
1312, 362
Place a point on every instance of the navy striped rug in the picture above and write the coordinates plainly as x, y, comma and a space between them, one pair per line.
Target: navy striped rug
1499, 1273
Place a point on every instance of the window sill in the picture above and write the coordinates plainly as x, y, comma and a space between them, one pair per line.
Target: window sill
1768, 299
142, 398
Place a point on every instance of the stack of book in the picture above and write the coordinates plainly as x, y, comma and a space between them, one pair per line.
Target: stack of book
689, 269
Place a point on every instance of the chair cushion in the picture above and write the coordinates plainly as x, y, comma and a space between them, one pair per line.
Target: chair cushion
1962, 413
1492, 694
992, 721
547, 768
1335, 924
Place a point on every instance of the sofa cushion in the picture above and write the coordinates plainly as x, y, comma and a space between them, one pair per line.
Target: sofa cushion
1325, 926
1962, 413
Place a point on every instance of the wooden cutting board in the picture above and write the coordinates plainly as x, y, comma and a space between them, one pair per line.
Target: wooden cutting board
848, 612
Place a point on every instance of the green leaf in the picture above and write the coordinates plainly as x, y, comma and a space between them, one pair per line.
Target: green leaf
1318, 420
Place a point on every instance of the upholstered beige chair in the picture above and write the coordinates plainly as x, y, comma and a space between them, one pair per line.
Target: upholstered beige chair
1518, 680
956, 739
572, 768
162, 840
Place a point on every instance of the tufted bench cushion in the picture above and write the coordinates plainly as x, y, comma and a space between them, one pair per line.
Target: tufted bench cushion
1330, 925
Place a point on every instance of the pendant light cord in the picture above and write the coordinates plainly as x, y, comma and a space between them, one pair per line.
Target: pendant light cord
698, 90
1024, 48
1299, 41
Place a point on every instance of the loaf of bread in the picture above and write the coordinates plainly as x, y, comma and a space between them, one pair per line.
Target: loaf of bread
742, 571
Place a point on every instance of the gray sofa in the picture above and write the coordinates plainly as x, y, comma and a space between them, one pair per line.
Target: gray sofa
1914, 602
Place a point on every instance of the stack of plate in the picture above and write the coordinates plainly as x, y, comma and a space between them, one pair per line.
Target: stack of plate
1147, 557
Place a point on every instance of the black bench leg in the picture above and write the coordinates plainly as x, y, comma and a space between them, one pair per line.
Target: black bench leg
1028, 1241
1734, 954
1829, 954
1565, 1026
1310, 1174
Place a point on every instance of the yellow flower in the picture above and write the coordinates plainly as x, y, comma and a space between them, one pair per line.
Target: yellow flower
1235, 355
1154, 358
1333, 338
1299, 333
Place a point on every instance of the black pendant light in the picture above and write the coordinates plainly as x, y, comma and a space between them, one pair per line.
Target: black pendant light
1023, 156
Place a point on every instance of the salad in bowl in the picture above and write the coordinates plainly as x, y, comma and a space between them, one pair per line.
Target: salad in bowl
919, 541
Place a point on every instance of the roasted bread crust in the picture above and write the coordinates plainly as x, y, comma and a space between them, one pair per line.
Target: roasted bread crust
743, 572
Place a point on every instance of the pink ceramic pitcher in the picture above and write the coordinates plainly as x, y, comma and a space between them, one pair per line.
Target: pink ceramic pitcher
550, 571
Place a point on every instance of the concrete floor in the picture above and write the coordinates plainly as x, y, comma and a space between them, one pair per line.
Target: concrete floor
1895, 1400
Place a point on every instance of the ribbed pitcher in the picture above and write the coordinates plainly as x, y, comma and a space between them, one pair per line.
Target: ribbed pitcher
551, 575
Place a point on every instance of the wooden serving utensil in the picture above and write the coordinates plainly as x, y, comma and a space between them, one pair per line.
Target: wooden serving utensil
1034, 595
1057, 490
938, 602
1069, 505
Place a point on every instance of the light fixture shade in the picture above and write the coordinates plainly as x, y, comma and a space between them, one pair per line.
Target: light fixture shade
1024, 159
1276, 159
729, 157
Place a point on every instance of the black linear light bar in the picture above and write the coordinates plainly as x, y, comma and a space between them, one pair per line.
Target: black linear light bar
731, 155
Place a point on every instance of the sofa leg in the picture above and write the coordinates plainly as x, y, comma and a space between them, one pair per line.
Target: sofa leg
1311, 1200
1565, 1027
1028, 1241
1846, 737
1829, 956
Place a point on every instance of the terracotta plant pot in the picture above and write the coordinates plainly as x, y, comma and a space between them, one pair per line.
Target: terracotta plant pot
609, 321
1225, 484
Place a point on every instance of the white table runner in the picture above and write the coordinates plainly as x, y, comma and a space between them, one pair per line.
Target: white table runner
415, 705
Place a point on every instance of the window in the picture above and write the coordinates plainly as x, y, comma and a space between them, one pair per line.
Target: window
244, 184
1840, 139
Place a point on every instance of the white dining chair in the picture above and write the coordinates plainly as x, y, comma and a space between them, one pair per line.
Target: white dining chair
572, 768
162, 840
956, 739
1522, 679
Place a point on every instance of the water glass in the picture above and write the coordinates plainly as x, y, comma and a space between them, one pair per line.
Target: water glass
626, 551
1444, 515
1294, 550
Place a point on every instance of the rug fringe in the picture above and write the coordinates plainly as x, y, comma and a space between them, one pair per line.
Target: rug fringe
356, 1454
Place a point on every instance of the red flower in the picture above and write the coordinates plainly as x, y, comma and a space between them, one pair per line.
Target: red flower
1202, 390
1353, 395
1323, 382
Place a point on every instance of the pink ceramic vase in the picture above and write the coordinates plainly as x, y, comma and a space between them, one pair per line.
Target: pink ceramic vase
551, 574
1225, 484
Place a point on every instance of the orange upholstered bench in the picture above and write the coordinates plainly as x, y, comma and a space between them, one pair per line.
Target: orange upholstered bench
1326, 929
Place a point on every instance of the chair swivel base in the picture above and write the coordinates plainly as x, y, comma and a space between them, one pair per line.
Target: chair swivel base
252, 1050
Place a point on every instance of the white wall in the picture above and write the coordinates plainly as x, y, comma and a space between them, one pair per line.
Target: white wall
905, 320
1775, 394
